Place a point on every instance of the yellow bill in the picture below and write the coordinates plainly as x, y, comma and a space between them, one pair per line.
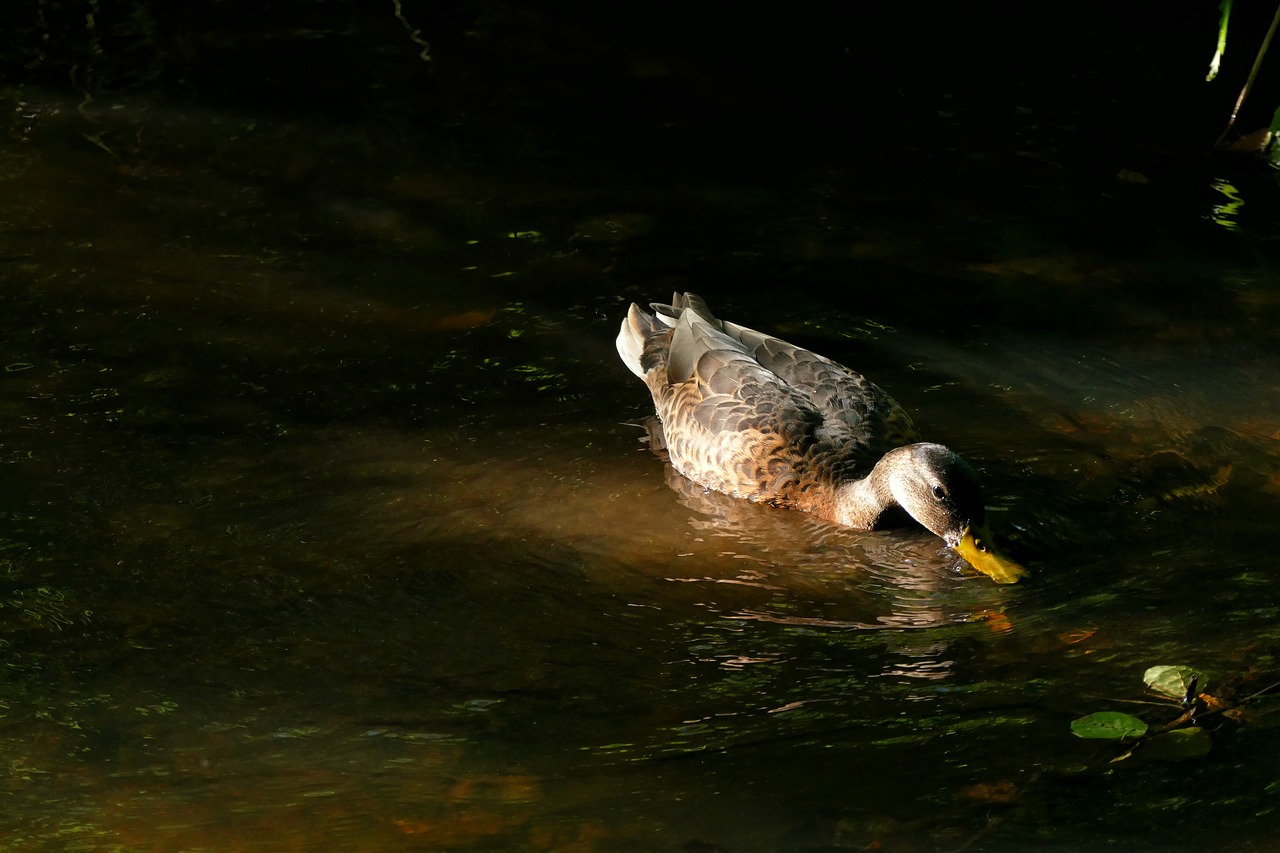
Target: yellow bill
975, 547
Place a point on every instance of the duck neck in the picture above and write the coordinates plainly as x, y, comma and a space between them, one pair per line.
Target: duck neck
861, 503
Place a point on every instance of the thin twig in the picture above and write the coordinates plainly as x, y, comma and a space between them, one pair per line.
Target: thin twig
1259, 693
1253, 74
415, 34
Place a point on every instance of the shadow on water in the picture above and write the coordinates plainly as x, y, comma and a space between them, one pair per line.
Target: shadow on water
322, 523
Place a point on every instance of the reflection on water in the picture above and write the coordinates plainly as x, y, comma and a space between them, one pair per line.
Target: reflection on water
326, 528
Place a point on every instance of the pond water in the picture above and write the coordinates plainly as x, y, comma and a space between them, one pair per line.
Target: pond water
327, 523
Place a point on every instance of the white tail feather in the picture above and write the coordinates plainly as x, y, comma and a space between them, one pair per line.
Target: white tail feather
635, 327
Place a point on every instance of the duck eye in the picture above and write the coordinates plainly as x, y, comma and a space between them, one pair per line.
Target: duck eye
939, 493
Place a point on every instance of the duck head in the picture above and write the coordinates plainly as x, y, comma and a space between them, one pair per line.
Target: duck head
937, 488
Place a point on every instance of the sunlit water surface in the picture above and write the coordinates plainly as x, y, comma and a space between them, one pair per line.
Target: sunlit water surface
328, 522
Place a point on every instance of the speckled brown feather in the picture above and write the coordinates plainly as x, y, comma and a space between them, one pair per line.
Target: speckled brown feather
755, 417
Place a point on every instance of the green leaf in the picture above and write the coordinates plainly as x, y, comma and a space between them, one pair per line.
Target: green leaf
1178, 745
1108, 725
1171, 681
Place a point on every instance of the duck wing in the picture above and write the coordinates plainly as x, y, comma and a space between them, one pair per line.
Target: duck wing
833, 389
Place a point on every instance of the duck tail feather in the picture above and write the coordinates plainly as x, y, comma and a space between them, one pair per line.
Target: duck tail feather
636, 329
695, 303
668, 315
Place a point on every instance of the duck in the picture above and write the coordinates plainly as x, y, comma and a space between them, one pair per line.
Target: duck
755, 417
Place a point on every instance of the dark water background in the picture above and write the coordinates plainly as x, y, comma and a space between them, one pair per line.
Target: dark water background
325, 523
